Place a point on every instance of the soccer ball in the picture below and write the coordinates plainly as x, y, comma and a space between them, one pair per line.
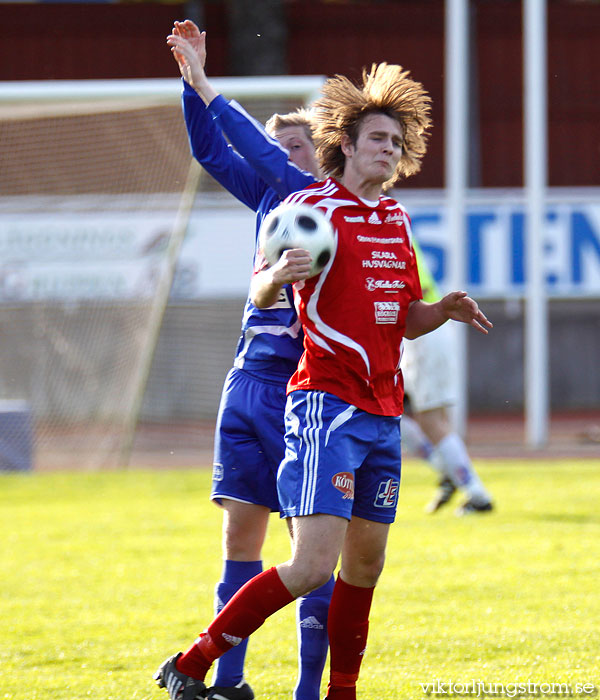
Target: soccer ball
297, 226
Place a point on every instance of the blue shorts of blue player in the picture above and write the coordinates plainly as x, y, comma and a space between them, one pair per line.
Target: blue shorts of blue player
339, 460
249, 442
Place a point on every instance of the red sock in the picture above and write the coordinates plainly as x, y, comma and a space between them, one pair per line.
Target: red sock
348, 628
198, 658
256, 600
341, 693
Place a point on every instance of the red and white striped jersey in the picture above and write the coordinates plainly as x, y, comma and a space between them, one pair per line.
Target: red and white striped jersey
354, 312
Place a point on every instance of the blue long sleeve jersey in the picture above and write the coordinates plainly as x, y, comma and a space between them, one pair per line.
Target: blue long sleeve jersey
271, 339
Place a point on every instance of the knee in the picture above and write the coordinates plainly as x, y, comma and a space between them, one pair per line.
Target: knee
372, 570
314, 577
243, 545
301, 580
243, 534
319, 577
363, 572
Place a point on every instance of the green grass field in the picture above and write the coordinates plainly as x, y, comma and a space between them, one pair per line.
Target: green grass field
105, 574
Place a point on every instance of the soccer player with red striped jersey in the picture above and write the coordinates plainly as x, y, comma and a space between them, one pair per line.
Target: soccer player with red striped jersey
340, 477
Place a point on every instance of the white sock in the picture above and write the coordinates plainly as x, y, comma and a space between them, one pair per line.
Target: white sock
451, 457
414, 439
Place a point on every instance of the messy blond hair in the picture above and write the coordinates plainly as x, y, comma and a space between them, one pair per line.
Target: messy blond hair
301, 117
386, 89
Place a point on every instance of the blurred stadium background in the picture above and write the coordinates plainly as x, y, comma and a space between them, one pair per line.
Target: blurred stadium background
95, 179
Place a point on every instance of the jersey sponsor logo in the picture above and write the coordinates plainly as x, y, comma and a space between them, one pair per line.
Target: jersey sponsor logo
384, 258
344, 482
355, 219
386, 254
217, 473
375, 239
395, 218
387, 285
387, 494
374, 219
386, 311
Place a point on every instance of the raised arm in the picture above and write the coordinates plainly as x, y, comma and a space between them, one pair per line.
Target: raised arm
423, 318
207, 143
188, 45
262, 152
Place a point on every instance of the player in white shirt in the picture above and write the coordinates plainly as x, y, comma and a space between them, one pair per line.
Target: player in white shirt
430, 383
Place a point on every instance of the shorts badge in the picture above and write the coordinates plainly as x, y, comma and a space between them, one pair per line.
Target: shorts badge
344, 482
387, 494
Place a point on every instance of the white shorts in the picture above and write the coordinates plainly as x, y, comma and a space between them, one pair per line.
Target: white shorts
427, 367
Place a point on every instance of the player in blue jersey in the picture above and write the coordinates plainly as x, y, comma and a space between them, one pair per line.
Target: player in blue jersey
249, 443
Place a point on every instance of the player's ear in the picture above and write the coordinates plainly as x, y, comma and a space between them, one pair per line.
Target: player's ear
346, 145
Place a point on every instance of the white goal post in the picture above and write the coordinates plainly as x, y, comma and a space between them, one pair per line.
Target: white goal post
96, 191
305, 87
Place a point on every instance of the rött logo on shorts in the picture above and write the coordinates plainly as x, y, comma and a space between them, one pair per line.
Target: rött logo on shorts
344, 482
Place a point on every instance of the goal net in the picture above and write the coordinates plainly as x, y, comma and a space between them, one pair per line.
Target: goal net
111, 343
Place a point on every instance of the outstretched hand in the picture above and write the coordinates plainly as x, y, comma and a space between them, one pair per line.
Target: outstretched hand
460, 307
188, 45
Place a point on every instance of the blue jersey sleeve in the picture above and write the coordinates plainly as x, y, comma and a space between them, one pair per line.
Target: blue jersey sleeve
259, 173
262, 152
211, 150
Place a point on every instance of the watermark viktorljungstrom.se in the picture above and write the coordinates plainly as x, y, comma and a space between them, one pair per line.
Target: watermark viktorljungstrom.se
481, 689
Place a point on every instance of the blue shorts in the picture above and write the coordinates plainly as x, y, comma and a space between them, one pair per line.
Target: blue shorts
338, 460
249, 444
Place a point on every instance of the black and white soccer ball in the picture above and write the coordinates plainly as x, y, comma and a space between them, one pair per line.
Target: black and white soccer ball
297, 226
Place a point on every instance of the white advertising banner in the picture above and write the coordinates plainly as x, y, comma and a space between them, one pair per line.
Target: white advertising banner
496, 244
80, 256
116, 255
